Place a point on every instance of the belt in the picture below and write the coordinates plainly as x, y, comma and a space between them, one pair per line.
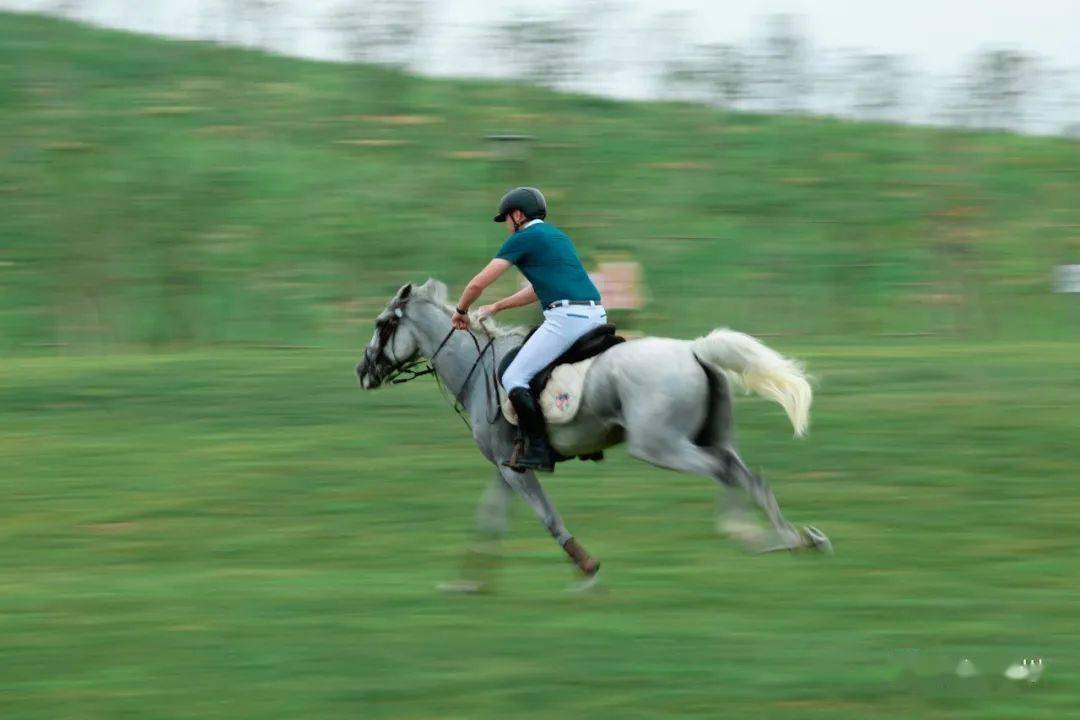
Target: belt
564, 303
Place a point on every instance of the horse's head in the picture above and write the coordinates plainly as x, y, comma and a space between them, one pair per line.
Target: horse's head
394, 344
399, 329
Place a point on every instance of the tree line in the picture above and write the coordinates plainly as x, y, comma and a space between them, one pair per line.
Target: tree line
778, 70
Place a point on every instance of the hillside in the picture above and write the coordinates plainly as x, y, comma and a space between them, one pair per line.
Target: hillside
198, 525
174, 193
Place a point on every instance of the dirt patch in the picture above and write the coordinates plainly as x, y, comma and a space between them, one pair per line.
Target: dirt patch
111, 528
167, 110
530, 117
936, 299
685, 165
402, 119
821, 704
68, 146
225, 131
373, 142
283, 88
739, 129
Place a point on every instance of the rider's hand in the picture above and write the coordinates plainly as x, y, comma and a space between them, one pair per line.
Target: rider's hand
459, 321
486, 311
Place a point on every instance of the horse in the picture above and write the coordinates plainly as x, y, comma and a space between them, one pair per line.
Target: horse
668, 400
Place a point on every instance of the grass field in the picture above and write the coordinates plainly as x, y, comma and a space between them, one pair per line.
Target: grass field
195, 525
246, 534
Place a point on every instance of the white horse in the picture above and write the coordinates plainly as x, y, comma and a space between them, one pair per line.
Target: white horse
668, 400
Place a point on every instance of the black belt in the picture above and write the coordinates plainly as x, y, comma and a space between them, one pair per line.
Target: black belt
564, 303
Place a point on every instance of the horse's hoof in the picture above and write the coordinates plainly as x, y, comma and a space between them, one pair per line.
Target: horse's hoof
739, 528
589, 583
817, 540
463, 587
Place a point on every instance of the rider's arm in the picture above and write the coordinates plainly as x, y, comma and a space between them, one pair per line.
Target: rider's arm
478, 284
525, 296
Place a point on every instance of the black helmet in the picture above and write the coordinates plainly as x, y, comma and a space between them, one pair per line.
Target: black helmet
528, 200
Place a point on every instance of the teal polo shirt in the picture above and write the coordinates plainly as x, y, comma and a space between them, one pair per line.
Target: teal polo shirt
546, 257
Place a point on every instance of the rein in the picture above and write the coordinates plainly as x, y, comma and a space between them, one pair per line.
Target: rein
412, 369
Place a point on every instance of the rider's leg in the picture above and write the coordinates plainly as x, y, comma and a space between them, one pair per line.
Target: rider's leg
534, 452
562, 327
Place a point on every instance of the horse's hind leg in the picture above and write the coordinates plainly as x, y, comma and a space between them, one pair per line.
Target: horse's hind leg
678, 453
671, 451
783, 536
718, 436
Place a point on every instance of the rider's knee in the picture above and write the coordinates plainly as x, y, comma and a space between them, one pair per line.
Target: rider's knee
512, 380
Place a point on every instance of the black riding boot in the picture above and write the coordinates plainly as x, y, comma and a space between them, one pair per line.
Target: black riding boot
532, 451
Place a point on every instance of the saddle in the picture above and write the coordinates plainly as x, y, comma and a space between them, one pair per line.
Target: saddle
566, 376
589, 345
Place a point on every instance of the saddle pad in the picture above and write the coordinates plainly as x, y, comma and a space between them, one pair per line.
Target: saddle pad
561, 398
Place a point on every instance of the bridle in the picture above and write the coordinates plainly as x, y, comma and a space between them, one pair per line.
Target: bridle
400, 371
417, 366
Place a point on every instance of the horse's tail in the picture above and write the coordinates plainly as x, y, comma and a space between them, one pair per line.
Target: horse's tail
760, 369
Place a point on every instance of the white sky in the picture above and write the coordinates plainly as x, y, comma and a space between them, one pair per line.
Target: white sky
936, 33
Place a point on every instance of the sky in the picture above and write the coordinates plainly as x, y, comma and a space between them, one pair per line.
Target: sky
937, 33
937, 37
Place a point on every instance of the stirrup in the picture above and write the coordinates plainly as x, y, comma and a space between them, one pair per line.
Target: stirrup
512, 463
519, 463
519, 450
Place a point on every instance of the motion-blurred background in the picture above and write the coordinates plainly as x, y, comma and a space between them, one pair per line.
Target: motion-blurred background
203, 517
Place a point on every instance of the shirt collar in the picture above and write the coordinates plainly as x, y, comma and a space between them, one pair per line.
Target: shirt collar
531, 222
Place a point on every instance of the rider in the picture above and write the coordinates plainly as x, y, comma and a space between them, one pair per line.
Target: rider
570, 302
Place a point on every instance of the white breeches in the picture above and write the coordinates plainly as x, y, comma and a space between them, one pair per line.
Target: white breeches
562, 327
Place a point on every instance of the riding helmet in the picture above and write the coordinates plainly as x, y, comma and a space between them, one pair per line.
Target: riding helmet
528, 200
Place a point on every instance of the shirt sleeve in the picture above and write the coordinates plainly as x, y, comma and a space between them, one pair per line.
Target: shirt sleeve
514, 249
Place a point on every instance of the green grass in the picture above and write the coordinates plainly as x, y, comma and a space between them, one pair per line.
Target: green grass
195, 526
244, 534
171, 193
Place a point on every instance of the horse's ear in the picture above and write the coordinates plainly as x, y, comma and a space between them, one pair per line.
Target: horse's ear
434, 290
405, 291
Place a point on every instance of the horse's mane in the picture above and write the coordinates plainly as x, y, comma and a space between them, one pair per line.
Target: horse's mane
435, 292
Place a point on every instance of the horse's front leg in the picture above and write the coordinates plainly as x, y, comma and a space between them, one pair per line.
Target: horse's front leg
493, 511
481, 561
530, 489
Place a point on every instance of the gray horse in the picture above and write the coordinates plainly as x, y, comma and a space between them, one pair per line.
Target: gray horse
668, 400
